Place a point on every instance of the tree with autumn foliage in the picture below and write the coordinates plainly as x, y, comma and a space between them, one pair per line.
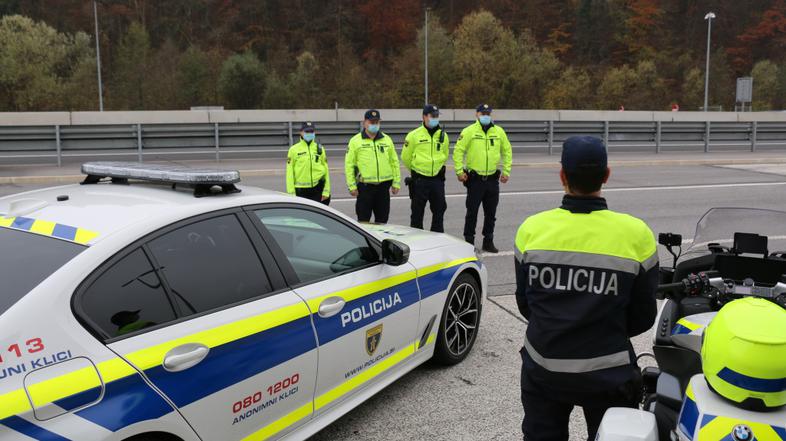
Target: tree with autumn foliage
369, 53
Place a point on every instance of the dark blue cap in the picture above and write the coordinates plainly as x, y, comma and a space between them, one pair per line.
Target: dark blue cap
430, 109
372, 114
484, 108
583, 153
308, 126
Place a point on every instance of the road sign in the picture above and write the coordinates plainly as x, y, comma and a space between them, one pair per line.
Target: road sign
744, 90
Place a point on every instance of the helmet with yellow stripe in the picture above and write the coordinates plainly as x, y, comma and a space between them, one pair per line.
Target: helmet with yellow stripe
744, 353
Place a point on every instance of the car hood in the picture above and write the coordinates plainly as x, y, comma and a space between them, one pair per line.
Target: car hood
415, 238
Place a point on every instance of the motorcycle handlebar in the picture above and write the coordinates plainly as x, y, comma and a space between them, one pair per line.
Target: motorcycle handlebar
666, 287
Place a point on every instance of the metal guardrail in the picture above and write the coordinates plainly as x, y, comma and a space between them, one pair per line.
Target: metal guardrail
272, 139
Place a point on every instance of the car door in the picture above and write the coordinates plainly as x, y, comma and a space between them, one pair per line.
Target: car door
365, 312
234, 350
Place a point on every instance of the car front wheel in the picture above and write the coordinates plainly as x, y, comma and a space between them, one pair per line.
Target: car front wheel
458, 328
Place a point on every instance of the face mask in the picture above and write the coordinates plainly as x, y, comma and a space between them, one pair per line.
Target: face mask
373, 128
308, 137
433, 122
485, 119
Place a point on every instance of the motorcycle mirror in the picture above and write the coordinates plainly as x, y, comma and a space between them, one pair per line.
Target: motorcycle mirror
670, 239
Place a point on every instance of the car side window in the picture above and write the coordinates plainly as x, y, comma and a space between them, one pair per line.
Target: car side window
316, 245
127, 297
210, 264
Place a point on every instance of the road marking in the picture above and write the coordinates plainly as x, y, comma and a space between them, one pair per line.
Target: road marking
500, 254
608, 190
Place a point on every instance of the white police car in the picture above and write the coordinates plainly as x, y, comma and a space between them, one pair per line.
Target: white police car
141, 312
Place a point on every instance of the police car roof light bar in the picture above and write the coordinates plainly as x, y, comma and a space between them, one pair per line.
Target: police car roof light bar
202, 180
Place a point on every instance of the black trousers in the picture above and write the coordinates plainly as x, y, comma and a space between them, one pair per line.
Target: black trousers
373, 198
313, 193
485, 192
428, 190
547, 412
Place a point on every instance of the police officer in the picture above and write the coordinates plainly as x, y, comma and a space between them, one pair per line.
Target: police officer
372, 170
586, 278
484, 145
308, 175
425, 152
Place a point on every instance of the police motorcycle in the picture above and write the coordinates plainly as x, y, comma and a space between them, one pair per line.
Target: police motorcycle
720, 337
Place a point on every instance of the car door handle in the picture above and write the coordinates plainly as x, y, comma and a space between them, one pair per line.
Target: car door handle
331, 306
185, 356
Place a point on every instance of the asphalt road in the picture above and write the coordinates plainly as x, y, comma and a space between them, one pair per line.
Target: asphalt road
479, 399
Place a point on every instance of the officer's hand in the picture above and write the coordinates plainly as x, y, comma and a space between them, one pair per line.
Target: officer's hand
394, 190
462, 177
324, 198
354, 193
504, 179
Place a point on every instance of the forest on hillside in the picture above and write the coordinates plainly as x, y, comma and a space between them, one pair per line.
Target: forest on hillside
569, 54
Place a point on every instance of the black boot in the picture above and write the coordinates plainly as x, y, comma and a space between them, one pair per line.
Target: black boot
488, 246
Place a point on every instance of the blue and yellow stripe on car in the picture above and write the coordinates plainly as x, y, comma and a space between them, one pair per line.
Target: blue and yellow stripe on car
689, 414
684, 326
286, 332
47, 228
720, 428
695, 425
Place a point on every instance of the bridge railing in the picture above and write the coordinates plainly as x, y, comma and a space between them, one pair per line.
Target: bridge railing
268, 133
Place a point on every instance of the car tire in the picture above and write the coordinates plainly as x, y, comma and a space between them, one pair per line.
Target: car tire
157, 436
458, 327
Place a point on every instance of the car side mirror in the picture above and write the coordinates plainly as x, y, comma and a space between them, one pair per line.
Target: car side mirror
394, 253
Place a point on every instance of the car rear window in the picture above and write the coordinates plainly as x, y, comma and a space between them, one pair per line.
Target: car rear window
26, 259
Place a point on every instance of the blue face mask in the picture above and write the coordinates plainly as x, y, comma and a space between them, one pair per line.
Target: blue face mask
485, 119
309, 136
373, 128
433, 122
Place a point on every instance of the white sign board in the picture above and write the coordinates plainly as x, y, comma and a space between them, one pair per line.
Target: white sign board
744, 90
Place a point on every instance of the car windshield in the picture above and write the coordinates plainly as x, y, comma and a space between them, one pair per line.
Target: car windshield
26, 259
718, 225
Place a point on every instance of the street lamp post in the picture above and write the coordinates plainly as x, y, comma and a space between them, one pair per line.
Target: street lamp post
425, 61
98, 61
708, 17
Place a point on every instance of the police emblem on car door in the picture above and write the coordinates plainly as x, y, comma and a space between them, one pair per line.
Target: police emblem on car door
373, 337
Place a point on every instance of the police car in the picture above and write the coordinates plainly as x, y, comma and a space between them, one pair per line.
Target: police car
162, 303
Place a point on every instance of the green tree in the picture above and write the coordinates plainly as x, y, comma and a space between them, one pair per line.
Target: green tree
594, 34
572, 90
692, 97
441, 58
765, 81
278, 93
722, 81
407, 70
80, 91
535, 69
131, 68
36, 62
161, 88
485, 60
243, 81
305, 84
636, 89
196, 78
